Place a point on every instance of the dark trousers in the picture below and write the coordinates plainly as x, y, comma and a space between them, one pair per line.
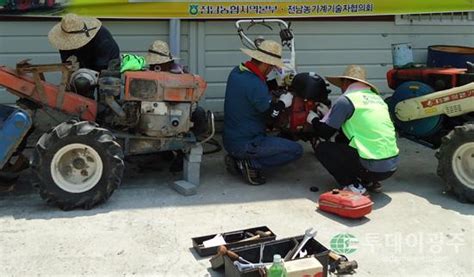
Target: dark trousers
343, 163
268, 152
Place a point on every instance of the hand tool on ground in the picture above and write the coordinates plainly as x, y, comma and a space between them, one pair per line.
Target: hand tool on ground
258, 234
307, 236
248, 234
242, 267
223, 251
341, 264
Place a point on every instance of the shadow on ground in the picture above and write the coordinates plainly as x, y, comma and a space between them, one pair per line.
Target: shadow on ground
149, 188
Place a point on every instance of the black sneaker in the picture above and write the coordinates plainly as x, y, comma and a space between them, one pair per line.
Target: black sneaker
232, 165
252, 175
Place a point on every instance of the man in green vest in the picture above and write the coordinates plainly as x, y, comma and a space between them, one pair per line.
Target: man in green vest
365, 150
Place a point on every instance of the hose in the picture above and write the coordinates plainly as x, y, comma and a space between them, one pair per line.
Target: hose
216, 144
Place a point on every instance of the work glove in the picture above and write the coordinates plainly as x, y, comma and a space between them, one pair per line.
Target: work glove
286, 98
322, 110
311, 116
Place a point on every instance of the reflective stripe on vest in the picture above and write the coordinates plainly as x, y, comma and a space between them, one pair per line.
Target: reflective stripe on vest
370, 129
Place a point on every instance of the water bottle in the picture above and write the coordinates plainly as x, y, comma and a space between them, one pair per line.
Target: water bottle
277, 269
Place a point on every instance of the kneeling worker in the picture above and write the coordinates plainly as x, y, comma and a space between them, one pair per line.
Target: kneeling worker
248, 107
366, 151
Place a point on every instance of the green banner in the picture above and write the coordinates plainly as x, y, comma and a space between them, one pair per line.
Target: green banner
198, 9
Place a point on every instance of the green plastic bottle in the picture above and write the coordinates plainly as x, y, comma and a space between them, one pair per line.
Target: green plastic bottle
277, 269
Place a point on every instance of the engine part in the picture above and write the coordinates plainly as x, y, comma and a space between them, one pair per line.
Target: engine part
310, 86
164, 119
154, 86
109, 86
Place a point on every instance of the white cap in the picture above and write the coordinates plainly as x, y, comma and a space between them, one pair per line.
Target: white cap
276, 258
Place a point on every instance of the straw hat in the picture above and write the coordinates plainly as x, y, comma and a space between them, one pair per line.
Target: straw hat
159, 53
268, 51
352, 72
73, 32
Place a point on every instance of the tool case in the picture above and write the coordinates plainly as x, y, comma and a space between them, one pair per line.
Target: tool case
251, 253
345, 203
232, 238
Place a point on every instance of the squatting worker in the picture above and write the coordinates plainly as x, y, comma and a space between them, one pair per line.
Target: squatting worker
365, 151
85, 38
247, 109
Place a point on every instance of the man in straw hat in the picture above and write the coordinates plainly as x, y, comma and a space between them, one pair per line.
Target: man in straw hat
85, 38
366, 151
248, 106
159, 58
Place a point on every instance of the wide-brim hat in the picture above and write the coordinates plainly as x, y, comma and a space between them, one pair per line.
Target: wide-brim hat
268, 51
352, 72
159, 53
73, 32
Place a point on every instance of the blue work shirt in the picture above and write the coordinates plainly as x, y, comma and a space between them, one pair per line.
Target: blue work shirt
247, 100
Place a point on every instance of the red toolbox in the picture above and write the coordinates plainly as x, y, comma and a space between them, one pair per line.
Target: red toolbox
345, 203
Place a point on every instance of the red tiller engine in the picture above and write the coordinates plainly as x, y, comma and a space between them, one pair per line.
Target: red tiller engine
309, 89
298, 112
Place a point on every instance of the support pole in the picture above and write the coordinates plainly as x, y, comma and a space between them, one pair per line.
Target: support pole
175, 37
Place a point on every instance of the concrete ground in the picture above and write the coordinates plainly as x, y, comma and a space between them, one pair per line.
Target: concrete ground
146, 227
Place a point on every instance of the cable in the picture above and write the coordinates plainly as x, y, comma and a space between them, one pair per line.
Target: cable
217, 147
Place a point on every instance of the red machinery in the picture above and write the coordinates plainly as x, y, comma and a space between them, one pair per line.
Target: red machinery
437, 78
78, 159
38, 90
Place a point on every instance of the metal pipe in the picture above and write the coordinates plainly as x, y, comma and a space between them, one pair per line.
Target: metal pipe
175, 36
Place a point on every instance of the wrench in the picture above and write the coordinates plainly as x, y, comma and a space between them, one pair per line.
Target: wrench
308, 234
262, 246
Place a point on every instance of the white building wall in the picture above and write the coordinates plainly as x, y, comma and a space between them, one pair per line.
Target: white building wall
327, 47
211, 48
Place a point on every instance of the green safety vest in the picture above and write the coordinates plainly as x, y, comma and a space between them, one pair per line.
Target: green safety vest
370, 129
132, 62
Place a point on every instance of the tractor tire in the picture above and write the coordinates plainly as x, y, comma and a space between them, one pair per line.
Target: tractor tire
78, 165
456, 162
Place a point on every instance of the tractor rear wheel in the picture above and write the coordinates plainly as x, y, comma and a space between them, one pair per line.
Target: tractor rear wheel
456, 162
78, 165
